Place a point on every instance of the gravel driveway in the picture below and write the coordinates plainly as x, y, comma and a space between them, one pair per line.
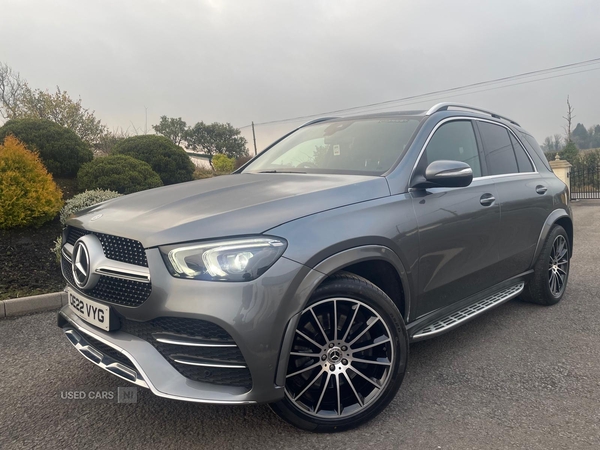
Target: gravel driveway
521, 376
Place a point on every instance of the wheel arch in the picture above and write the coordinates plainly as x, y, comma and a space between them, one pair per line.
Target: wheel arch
557, 217
355, 260
375, 263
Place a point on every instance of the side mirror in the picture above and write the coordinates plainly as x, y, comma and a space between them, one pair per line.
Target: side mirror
445, 173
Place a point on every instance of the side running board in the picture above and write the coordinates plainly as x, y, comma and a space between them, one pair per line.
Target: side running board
456, 318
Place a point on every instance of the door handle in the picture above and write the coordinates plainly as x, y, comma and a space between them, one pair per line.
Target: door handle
541, 189
487, 199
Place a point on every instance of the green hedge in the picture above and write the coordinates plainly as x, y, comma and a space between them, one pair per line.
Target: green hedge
60, 149
168, 160
120, 173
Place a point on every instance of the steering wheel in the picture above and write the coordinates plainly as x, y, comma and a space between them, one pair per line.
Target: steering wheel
306, 165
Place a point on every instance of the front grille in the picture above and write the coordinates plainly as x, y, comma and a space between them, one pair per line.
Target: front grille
198, 329
110, 289
110, 352
114, 247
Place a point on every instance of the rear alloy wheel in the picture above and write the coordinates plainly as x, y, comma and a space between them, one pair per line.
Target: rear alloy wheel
347, 359
559, 266
551, 272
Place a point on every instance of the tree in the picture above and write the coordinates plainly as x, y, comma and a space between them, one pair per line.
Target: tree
580, 136
168, 160
569, 153
63, 110
19, 101
569, 118
548, 144
12, 89
216, 138
108, 141
595, 137
222, 163
558, 142
171, 128
60, 149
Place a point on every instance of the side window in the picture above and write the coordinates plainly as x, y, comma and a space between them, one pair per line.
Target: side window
535, 149
522, 159
498, 149
455, 141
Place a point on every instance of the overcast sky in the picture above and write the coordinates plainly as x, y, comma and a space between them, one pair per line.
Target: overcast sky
238, 61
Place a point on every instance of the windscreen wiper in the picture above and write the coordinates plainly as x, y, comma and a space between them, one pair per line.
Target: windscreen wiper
279, 171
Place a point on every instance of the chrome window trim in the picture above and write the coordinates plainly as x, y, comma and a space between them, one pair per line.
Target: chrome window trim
505, 175
456, 118
518, 140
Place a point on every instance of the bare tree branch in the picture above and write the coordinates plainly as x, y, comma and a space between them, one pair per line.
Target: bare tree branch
12, 91
569, 118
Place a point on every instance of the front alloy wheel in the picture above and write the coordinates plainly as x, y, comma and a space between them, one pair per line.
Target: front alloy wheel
347, 358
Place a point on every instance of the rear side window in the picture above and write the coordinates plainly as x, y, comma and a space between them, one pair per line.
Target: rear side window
522, 159
536, 148
455, 141
498, 149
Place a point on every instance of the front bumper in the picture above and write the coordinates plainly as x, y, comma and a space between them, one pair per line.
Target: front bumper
255, 314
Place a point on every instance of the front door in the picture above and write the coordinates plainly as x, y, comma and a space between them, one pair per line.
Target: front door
458, 227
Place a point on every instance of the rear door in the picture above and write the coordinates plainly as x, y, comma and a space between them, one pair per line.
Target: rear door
458, 227
522, 196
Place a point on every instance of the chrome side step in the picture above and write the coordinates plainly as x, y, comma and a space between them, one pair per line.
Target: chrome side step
468, 312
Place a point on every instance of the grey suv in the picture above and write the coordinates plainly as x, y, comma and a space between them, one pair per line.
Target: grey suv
301, 279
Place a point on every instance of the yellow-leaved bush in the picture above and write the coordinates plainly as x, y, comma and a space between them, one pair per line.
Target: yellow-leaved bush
28, 194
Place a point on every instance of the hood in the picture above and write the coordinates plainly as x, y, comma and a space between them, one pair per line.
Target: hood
230, 205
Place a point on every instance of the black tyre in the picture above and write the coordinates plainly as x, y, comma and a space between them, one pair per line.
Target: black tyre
348, 357
551, 272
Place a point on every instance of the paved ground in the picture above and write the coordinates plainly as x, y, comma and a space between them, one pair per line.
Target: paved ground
522, 376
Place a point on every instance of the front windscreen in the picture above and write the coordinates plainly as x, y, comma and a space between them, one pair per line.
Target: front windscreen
356, 146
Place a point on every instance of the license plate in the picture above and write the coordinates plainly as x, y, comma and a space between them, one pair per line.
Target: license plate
92, 312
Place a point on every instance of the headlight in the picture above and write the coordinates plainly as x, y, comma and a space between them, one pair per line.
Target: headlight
231, 260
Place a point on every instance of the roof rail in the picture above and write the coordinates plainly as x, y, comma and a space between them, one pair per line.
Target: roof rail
446, 105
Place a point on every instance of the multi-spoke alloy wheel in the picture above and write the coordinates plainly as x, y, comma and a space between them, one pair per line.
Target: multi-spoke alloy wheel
559, 265
347, 358
340, 359
551, 271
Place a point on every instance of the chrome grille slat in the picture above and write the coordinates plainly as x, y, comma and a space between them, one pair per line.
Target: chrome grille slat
110, 289
124, 275
198, 349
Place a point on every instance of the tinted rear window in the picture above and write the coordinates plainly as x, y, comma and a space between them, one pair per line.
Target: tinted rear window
535, 146
522, 159
498, 149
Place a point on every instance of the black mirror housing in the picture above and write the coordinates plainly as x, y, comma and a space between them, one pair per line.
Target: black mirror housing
445, 173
